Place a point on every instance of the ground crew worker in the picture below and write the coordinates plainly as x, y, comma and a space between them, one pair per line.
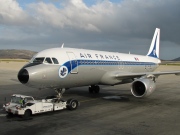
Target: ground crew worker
21, 101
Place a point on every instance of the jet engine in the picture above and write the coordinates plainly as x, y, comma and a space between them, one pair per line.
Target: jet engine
142, 87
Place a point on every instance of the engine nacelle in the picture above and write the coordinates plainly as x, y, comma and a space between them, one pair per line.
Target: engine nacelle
142, 87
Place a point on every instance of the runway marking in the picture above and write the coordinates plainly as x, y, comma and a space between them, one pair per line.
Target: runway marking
2, 115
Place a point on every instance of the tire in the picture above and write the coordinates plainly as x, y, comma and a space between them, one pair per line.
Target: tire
27, 114
96, 89
91, 90
9, 114
72, 104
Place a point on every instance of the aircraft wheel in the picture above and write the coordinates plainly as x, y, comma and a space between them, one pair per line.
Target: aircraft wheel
72, 104
96, 90
91, 90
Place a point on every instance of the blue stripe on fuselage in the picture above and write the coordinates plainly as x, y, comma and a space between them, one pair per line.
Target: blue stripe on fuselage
76, 63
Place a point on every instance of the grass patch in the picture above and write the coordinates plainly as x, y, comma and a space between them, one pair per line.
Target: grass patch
14, 60
172, 64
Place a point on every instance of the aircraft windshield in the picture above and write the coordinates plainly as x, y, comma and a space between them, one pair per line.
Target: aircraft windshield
38, 60
47, 60
16, 100
55, 61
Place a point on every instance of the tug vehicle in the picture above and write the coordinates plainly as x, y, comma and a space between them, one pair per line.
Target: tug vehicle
26, 106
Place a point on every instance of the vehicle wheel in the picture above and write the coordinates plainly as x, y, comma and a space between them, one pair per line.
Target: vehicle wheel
72, 104
9, 114
27, 114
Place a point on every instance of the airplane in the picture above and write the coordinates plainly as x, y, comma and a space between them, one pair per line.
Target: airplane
63, 68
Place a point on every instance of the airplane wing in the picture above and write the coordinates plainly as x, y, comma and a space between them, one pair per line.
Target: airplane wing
126, 75
118, 77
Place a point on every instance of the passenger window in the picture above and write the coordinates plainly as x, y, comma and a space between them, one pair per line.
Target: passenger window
55, 61
48, 60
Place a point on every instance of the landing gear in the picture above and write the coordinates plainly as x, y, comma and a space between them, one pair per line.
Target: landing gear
94, 89
59, 93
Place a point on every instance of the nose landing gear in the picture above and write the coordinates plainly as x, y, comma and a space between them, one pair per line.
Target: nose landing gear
59, 93
94, 89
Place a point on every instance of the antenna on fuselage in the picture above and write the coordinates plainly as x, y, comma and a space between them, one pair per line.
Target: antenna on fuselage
62, 46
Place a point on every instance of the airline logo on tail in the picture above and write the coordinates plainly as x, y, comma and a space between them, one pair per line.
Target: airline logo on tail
153, 52
154, 48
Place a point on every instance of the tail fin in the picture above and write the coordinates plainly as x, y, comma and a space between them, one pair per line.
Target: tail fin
154, 48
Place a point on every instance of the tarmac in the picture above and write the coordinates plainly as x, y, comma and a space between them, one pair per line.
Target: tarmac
113, 111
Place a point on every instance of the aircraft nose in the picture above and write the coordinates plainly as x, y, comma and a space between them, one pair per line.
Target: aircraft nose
23, 76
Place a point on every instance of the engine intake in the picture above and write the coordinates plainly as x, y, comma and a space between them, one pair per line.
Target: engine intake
142, 87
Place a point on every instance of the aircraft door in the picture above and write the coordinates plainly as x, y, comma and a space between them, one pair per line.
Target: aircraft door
73, 62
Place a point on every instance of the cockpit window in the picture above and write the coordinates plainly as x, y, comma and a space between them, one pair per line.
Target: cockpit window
48, 60
38, 60
55, 61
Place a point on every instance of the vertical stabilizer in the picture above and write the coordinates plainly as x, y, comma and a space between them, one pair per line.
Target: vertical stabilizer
154, 48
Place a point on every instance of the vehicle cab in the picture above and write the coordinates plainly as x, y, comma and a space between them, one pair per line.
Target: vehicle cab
16, 103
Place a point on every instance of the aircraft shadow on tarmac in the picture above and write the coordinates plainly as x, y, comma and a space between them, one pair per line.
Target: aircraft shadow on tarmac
118, 95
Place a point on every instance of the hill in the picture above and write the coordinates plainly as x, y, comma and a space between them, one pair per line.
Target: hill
177, 59
16, 54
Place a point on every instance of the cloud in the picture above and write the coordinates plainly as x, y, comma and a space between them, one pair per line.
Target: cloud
104, 25
12, 14
75, 15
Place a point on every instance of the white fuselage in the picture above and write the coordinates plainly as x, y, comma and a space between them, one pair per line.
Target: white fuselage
80, 67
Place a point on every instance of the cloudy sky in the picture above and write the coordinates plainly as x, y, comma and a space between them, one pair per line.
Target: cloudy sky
113, 25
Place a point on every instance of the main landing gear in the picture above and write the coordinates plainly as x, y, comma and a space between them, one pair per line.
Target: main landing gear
94, 89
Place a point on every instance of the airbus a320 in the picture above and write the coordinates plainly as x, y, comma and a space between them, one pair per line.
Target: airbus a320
64, 68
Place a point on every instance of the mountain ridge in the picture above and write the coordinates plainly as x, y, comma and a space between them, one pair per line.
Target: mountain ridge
177, 59
16, 54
